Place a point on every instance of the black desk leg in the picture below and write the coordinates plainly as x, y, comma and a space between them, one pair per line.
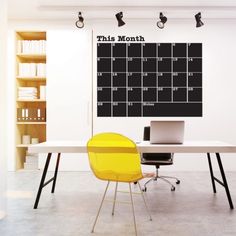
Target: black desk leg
55, 174
224, 180
211, 172
41, 185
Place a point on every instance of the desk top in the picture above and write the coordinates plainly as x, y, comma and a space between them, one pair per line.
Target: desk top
143, 146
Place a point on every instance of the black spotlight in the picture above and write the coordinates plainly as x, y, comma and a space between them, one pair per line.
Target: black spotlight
161, 23
80, 22
198, 17
119, 17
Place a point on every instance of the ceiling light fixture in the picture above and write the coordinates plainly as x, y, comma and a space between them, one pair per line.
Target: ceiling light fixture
80, 22
119, 17
161, 23
198, 17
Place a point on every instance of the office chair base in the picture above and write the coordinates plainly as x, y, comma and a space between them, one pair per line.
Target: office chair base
170, 177
164, 178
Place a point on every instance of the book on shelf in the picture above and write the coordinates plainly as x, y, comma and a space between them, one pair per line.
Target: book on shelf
27, 93
31, 114
30, 166
31, 46
31, 161
32, 69
27, 69
41, 115
33, 154
42, 91
41, 70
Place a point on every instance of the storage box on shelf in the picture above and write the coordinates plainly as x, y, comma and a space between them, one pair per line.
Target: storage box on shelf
31, 161
30, 91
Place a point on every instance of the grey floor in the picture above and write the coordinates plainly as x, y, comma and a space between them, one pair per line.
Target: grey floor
191, 210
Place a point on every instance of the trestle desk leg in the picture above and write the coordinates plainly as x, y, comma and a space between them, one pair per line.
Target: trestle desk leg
55, 174
224, 181
41, 185
211, 172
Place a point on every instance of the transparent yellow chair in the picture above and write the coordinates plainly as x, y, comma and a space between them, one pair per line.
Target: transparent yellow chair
115, 158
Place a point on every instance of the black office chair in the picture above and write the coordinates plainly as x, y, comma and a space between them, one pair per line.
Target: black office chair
157, 159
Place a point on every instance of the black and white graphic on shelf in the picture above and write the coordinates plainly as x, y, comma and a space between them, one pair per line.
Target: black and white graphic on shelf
149, 79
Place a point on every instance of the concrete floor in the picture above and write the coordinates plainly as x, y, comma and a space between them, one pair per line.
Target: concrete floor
192, 210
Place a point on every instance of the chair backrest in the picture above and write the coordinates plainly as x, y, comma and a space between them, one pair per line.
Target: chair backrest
146, 133
161, 156
114, 157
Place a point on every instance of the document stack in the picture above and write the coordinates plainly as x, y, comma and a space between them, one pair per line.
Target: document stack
31, 161
31, 46
27, 93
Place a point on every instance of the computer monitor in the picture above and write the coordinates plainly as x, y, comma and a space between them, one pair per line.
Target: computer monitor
167, 132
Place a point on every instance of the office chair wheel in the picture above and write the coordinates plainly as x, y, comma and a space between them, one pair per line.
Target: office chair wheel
172, 188
144, 189
135, 182
178, 182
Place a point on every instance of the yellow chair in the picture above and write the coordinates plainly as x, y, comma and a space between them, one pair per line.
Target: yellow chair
114, 157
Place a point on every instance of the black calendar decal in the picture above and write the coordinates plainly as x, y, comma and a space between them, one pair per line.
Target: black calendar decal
149, 79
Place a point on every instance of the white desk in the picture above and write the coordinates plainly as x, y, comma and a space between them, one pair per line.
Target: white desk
143, 147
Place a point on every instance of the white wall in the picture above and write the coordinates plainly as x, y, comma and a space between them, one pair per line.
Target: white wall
219, 50
219, 98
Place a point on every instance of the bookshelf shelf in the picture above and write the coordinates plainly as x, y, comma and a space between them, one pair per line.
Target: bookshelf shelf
29, 100
33, 78
30, 78
32, 35
31, 123
31, 56
23, 145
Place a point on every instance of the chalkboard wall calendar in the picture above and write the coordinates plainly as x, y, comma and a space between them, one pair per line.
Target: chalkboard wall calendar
149, 79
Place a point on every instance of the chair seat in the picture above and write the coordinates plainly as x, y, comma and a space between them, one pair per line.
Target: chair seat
157, 156
156, 163
161, 156
157, 159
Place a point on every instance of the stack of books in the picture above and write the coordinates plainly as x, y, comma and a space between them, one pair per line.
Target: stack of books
27, 93
27, 69
31, 46
32, 69
31, 161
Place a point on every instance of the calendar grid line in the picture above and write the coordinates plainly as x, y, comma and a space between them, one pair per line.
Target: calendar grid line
187, 72
151, 72
142, 82
111, 81
127, 95
157, 82
152, 57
